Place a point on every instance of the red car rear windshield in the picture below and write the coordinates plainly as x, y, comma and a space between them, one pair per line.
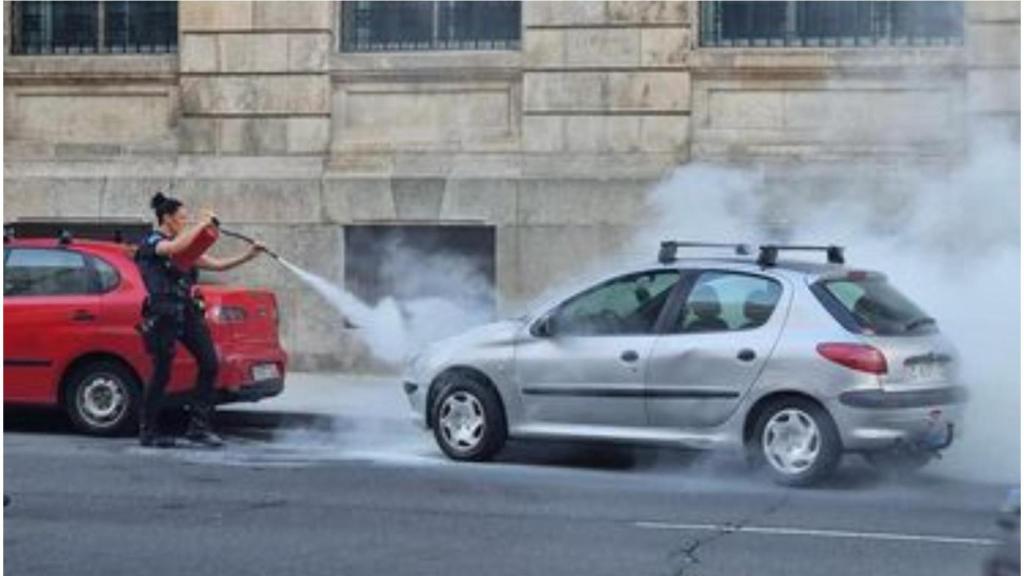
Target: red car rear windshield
876, 307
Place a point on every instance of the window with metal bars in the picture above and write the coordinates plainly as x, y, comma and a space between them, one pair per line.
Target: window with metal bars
376, 26
831, 23
99, 27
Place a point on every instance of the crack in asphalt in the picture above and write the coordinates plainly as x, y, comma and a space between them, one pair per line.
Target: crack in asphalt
684, 559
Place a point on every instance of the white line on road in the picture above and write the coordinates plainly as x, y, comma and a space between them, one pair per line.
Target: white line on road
815, 533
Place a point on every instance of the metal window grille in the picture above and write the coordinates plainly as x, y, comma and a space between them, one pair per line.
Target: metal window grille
99, 27
838, 23
409, 26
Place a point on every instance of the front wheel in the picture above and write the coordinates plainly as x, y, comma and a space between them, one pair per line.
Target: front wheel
798, 441
102, 398
468, 419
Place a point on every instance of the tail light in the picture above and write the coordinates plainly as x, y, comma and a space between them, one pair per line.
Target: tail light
860, 357
229, 314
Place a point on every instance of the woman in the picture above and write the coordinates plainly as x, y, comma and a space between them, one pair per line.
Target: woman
171, 313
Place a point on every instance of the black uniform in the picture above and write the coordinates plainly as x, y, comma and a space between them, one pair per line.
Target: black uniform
171, 314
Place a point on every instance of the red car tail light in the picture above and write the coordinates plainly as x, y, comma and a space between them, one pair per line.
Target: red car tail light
860, 357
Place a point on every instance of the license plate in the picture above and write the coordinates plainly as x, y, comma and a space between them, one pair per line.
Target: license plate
925, 371
265, 372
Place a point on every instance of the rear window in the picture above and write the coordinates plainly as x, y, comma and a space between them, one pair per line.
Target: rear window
871, 305
106, 275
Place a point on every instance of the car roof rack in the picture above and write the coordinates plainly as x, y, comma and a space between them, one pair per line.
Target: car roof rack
118, 230
667, 253
769, 253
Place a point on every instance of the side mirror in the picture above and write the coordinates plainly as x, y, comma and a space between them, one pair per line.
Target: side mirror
546, 328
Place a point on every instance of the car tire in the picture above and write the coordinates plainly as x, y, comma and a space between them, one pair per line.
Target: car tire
102, 398
796, 440
898, 463
468, 419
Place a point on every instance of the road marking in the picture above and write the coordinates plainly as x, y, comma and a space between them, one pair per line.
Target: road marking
815, 533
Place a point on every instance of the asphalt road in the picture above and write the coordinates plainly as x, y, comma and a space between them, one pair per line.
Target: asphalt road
360, 493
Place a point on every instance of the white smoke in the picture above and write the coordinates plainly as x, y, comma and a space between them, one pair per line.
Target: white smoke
439, 296
381, 325
947, 236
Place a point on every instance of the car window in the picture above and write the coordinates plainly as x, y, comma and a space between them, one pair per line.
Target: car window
45, 272
106, 274
626, 305
726, 301
878, 307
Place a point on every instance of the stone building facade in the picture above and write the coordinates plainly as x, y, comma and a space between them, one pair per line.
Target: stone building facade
548, 145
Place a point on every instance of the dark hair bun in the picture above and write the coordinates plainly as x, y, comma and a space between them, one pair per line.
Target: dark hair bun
157, 200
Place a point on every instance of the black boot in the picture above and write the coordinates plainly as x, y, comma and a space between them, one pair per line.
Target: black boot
151, 437
199, 429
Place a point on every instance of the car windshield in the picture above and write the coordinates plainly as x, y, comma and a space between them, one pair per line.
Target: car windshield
877, 307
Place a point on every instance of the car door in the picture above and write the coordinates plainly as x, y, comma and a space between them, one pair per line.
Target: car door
584, 362
49, 308
713, 348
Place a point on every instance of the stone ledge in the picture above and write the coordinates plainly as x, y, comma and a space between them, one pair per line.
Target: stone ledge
780, 59
468, 65
96, 68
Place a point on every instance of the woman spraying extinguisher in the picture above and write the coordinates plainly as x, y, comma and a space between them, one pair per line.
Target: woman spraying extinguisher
168, 259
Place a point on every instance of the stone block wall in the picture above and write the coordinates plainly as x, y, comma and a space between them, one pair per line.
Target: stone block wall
253, 77
993, 67
554, 146
606, 79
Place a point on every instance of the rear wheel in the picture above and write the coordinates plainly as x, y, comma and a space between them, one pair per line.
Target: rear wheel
102, 398
798, 442
468, 419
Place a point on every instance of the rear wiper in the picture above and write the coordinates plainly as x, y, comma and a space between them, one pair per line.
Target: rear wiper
918, 322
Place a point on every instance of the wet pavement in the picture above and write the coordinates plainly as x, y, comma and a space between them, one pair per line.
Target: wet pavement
333, 479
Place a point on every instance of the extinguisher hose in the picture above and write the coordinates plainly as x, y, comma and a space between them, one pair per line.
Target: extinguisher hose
244, 238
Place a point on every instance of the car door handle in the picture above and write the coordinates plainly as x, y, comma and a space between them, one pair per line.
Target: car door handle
82, 316
746, 355
629, 356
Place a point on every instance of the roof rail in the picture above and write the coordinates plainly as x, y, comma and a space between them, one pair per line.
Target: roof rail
667, 253
769, 254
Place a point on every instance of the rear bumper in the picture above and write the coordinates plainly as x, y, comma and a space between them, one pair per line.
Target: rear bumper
888, 400
927, 419
237, 363
236, 381
252, 392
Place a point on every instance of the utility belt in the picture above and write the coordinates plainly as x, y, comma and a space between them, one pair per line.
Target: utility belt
172, 307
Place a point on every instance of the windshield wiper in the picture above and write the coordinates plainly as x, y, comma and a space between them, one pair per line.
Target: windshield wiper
918, 322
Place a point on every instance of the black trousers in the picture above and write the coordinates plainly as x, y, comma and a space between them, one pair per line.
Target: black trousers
190, 329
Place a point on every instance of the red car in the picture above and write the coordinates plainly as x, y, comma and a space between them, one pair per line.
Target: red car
70, 310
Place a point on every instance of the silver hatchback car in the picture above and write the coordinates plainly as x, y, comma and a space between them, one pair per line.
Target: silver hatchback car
793, 363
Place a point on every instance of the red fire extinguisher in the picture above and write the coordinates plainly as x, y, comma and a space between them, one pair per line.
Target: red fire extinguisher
186, 259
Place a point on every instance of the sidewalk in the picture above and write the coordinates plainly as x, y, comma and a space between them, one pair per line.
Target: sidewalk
334, 394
